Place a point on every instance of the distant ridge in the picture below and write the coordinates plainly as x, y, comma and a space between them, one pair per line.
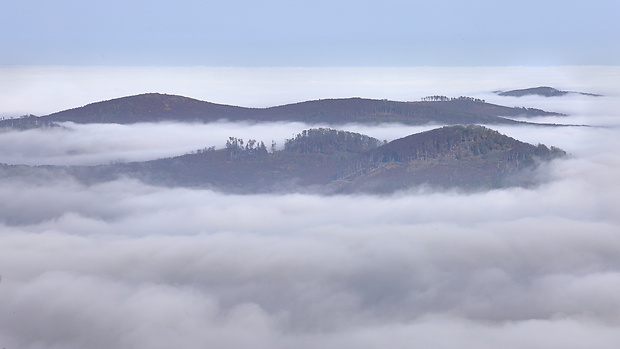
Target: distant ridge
544, 91
156, 107
148, 107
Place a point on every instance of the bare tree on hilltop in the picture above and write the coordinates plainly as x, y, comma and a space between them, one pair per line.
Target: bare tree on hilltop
450, 99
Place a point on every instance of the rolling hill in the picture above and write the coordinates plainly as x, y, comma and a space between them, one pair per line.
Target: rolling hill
331, 161
544, 91
155, 107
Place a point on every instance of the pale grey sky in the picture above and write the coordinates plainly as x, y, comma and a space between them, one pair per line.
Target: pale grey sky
310, 33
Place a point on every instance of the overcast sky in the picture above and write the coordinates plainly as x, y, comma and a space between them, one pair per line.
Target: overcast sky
310, 33
42, 90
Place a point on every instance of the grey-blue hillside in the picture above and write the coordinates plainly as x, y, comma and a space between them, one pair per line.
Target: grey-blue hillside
155, 107
331, 161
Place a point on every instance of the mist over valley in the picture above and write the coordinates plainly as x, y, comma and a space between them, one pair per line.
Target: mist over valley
108, 238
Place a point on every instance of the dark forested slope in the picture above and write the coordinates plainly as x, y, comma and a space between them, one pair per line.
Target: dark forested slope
155, 107
330, 161
544, 91
452, 156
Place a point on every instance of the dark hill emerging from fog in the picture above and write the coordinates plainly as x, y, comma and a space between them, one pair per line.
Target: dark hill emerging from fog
155, 107
544, 91
330, 161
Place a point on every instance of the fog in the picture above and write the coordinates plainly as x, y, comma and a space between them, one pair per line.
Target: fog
93, 144
128, 265
26, 89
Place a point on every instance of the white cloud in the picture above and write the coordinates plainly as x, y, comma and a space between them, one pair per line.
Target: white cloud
126, 265
27, 89
94, 144
156, 265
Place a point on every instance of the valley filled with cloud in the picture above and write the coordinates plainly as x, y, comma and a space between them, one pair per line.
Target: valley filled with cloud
124, 264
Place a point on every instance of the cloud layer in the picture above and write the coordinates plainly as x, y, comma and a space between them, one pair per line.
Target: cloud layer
127, 265
26, 89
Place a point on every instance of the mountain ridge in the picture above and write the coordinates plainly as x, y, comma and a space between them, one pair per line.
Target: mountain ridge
157, 107
332, 161
544, 91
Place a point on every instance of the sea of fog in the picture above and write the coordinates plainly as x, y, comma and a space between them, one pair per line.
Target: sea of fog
127, 265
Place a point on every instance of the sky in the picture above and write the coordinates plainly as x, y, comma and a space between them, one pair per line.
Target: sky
260, 54
309, 33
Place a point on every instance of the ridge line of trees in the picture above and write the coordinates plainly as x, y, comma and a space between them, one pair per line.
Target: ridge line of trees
327, 140
438, 98
236, 148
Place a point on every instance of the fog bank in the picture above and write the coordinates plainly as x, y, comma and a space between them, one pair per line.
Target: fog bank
127, 265
26, 89
123, 264
95, 144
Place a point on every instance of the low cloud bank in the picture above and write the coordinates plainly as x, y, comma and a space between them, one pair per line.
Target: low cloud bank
95, 144
26, 90
123, 264
127, 265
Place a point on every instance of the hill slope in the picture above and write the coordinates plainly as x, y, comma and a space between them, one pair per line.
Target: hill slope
154, 107
331, 161
453, 156
544, 91
150, 107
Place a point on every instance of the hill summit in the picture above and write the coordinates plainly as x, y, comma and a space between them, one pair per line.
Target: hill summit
333, 161
544, 91
156, 107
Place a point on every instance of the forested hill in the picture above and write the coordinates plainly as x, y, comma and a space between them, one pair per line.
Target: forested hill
457, 142
331, 161
153, 107
544, 91
452, 156
150, 107
454, 111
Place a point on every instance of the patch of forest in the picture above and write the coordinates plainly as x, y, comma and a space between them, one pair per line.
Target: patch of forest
156, 107
334, 161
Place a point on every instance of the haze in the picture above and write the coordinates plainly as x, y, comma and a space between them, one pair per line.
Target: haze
127, 265
25, 89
